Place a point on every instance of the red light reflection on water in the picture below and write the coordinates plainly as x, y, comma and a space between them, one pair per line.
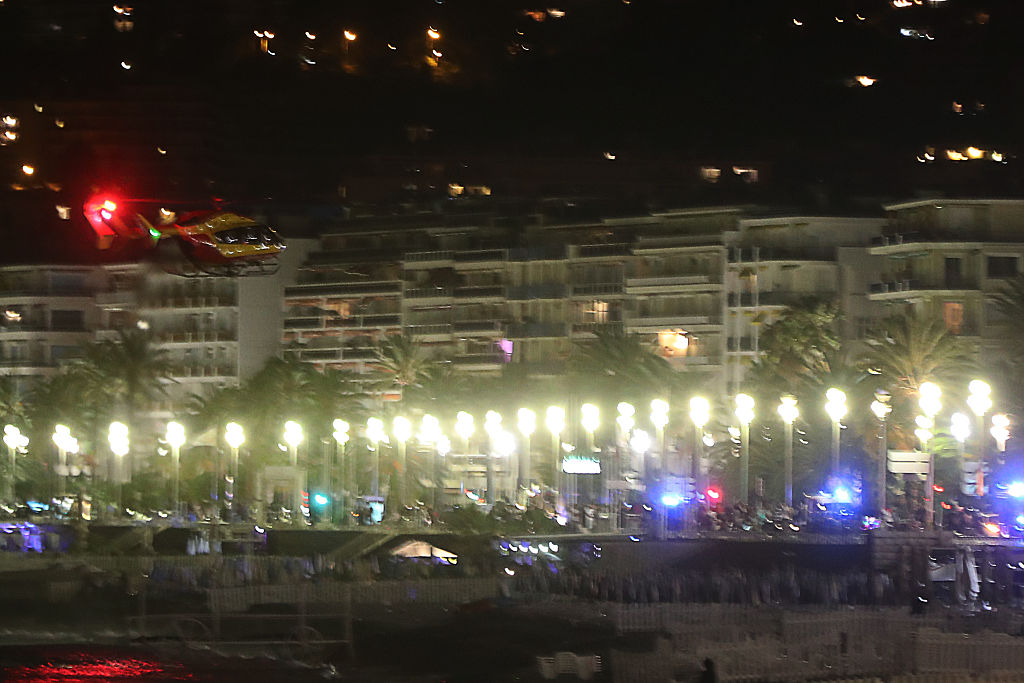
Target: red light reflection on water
80, 667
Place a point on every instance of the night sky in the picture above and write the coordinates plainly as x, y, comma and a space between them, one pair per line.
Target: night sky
768, 84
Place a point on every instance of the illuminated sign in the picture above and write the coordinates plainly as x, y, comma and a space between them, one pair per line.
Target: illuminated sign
575, 464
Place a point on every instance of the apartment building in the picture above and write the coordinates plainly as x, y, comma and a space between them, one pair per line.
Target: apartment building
777, 262
944, 258
47, 314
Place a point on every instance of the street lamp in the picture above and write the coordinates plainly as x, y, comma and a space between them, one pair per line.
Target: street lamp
175, 437
492, 425
835, 406
117, 437
980, 402
554, 420
1000, 430
659, 418
625, 420
590, 420
62, 438
375, 434
430, 434
234, 435
401, 427
788, 412
527, 423
293, 436
341, 437
700, 415
15, 441
881, 408
464, 427
745, 414
930, 401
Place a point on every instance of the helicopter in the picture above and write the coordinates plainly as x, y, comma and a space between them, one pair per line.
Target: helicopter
211, 243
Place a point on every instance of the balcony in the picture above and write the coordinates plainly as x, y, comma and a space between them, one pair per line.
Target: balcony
196, 337
481, 256
24, 327
480, 361
183, 302
126, 297
602, 250
480, 292
537, 330
432, 292
431, 332
592, 328
926, 240
762, 254
771, 299
26, 363
553, 290
319, 323
671, 283
202, 371
552, 253
478, 328
598, 289
894, 290
335, 355
653, 323
47, 292
428, 259
344, 289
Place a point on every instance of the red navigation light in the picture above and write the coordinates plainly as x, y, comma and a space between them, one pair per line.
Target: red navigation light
714, 494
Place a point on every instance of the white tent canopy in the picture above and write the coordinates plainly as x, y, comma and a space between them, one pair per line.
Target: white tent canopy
421, 549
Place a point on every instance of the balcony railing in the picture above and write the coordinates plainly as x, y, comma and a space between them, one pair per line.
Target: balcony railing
319, 323
477, 326
663, 319
196, 336
551, 253
597, 250
429, 330
740, 344
477, 255
909, 284
480, 291
527, 330
553, 290
46, 291
597, 288
13, 327
191, 302
428, 292
420, 256
26, 363
344, 288
747, 300
202, 371
752, 254
337, 354
595, 328
495, 358
670, 280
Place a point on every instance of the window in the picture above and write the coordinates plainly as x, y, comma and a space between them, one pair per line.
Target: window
1002, 266
600, 311
68, 320
953, 316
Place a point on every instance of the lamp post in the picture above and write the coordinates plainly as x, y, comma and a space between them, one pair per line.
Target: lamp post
980, 402
234, 435
835, 406
492, 425
117, 437
659, 418
401, 427
930, 402
1000, 430
62, 438
881, 408
341, 438
960, 428
745, 414
175, 437
14, 440
554, 420
430, 435
700, 415
788, 412
527, 424
375, 434
293, 436
465, 428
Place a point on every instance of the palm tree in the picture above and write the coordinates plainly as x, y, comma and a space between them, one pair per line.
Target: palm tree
618, 366
799, 346
907, 350
1009, 303
401, 364
12, 404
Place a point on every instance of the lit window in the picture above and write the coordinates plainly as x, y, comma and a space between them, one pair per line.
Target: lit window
710, 173
673, 343
953, 316
749, 175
